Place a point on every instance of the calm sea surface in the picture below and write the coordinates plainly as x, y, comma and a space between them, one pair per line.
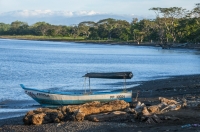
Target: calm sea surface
60, 66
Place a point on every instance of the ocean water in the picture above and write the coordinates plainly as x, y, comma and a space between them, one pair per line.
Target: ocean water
61, 65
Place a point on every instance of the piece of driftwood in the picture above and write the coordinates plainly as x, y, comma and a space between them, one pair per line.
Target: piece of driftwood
108, 116
72, 112
167, 101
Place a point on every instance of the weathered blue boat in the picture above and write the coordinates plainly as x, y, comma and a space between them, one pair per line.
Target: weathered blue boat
53, 99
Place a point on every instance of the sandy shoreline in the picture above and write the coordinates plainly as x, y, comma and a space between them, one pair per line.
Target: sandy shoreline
177, 86
170, 86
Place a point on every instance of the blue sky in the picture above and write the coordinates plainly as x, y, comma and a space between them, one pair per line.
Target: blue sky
136, 7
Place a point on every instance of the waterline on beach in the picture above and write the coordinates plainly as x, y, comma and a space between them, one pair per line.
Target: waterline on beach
9, 113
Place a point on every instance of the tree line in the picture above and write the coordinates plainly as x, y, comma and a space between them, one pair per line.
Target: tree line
171, 25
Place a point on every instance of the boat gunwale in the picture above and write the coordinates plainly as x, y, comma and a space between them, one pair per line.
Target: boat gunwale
78, 93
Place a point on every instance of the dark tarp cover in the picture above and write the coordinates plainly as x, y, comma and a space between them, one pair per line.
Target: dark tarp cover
110, 75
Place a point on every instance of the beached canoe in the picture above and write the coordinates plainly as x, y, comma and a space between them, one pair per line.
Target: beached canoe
51, 98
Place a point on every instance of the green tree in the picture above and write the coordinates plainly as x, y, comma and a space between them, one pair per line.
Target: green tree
40, 28
108, 24
64, 31
18, 28
121, 30
94, 33
74, 31
4, 28
84, 28
167, 21
137, 30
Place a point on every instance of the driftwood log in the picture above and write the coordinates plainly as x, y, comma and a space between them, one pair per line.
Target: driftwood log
72, 112
117, 110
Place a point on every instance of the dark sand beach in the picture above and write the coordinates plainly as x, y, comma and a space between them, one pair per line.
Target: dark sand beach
187, 86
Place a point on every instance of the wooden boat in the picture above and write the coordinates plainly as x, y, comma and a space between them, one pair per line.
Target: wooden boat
53, 99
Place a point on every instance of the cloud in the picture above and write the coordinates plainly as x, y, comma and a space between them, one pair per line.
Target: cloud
86, 13
42, 13
28, 13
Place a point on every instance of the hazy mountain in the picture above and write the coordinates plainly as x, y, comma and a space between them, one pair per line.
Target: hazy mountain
60, 17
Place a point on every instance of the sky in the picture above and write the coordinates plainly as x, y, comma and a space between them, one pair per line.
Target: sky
128, 7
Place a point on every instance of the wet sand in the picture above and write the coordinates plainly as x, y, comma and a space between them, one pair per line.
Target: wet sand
173, 86
149, 91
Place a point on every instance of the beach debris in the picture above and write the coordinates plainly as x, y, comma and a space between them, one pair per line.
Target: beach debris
145, 112
139, 106
43, 116
72, 112
148, 115
109, 116
170, 108
117, 110
37, 119
95, 108
157, 108
167, 101
78, 115
130, 110
164, 106
191, 101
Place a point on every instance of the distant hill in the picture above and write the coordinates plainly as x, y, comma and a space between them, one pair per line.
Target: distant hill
60, 17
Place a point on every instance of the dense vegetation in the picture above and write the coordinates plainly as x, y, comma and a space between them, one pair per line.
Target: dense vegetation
172, 25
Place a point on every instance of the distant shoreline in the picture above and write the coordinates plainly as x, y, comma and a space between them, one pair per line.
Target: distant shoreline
111, 42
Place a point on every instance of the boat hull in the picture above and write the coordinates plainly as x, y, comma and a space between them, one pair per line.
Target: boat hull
54, 99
